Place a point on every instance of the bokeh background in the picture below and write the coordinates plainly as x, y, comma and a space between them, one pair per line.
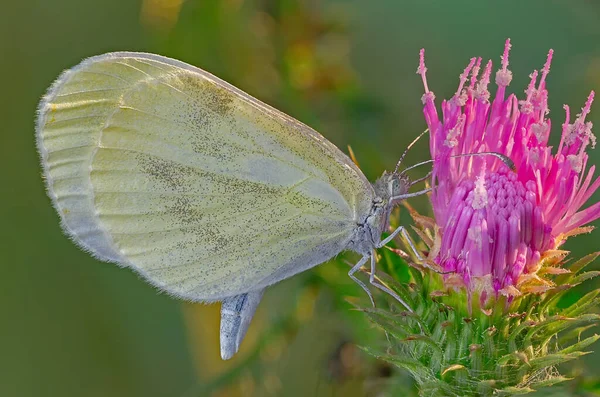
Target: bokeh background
71, 326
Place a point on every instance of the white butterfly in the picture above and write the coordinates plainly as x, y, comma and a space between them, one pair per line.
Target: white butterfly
208, 193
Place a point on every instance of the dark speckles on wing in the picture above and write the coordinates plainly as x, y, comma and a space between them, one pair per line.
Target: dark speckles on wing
212, 148
183, 209
215, 98
302, 201
177, 178
169, 173
219, 100
199, 117
208, 110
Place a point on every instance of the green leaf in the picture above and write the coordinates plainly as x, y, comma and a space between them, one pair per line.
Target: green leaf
513, 391
395, 266
439, 388
416, 275
552, 360
580, 345
512, 345
401, 289
401, 318
516, 355
425, 339
407, 363
582, 304
566, 337
572, 321
578, 266
554, 321
397, 330
580, 278
552, 297
549, 382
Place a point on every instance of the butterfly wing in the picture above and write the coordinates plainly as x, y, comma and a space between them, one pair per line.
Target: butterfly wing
207, 192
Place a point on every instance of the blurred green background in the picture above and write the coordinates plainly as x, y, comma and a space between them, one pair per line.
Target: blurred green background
71, 326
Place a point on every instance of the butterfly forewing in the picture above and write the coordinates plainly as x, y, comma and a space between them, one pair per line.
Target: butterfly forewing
206, 191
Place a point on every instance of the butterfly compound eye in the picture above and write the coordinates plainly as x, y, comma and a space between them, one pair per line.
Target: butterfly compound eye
397, 185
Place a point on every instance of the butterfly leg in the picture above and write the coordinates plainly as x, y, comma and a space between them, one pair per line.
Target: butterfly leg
390, 237
236, 315
401, 230
356, 268
382, 287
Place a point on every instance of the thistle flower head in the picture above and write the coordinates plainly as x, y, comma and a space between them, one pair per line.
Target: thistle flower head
496, 234
496, 225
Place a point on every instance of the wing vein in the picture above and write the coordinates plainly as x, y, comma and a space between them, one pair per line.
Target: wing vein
89, 116
90, 91
134, 68
105, 74
155, 64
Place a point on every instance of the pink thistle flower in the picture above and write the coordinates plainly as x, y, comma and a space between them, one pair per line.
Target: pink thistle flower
497, 225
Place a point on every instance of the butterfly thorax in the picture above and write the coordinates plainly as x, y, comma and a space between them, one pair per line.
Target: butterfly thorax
368, 229
388, 188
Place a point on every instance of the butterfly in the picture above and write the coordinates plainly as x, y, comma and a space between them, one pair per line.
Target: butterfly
206, 192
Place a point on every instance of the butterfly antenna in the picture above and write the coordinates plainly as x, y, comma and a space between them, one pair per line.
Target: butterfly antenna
507, 161
407, 149
416, 181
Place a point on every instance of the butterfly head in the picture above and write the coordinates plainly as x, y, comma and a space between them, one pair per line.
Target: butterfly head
391, 186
